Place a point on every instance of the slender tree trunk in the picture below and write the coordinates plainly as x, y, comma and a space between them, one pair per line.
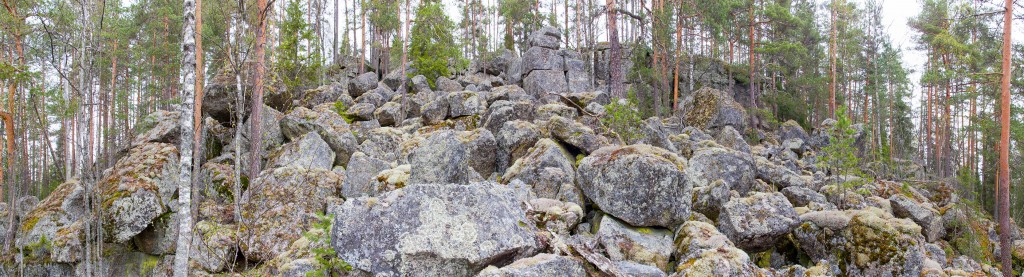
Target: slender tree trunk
362, 50
189, 136
832, 64
334, 45
255, 136
1004, 142
679, 53
615, 54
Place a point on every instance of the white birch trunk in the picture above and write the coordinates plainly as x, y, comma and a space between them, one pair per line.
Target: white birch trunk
188, 80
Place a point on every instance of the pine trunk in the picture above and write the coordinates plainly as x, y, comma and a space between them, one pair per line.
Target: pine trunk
1004, 142
615, 54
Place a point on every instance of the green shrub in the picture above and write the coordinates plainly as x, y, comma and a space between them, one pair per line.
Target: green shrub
325, 255
623, 118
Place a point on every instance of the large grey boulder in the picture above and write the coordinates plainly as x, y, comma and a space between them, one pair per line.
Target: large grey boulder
639, 184
309, 151
515, 139
643, 245
433, 230
326, 122
542, 264
757, 222
139, 188
542, 83
548, 168
280, 205
465, 103
435, 111
448, 85
361, 173
445, 157
575, 134
159, 126
792, 130
214, 246
494, 64
539, 58
779, 175
503, 111
362, 83
805, 197
390, 114
220, 96
929, 219
709, 108
711, 162
546, 37
695, 237
61, 212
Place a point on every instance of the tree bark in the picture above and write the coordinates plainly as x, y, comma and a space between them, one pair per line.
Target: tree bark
615, 54
832, 64
189, 137
255, 136
1004, 142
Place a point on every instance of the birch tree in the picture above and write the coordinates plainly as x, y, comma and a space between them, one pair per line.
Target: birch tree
189, 115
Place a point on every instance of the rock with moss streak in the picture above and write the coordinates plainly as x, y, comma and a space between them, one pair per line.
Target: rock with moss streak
309, 151
929, 219
515, 140
433, 230
326, 121
712, 109
139, 188
549, 169
159, 126
643, 245
52, 230
575, 134
280, 205
711, 162
868, 242
214, 246
724, 261
757, 222
639, 184
542, 264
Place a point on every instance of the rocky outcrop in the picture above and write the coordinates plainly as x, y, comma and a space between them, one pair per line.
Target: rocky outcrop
713, 109
757, 222
140, 188
548, 168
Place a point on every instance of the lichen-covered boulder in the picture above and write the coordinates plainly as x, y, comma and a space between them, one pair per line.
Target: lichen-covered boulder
362, 111
280, 205
390, 114
757, 222
271, 134
515, 139
869, 242
545, 83
327, 122
435, 111
447, 157
731, 138
552, 215
214, 246
805, 197
792, 130
362, 83
542, 264
503, 111
465, 103
547, 111
159, 126
695, 237
309, 151
575, 134
929, 219
719, 262
712, 109
779, 175
549, 169
711, 162
639, 184
139, 189
360, 176
433, 230
53, 229
709, 199
643, 245
160, 237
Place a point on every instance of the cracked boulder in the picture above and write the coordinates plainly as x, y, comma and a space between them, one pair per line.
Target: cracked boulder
433, 230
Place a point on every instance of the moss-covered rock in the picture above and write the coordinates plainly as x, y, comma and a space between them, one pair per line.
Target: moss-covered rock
640, 184
139, 188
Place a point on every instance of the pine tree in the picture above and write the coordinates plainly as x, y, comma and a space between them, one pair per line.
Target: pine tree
432, 47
